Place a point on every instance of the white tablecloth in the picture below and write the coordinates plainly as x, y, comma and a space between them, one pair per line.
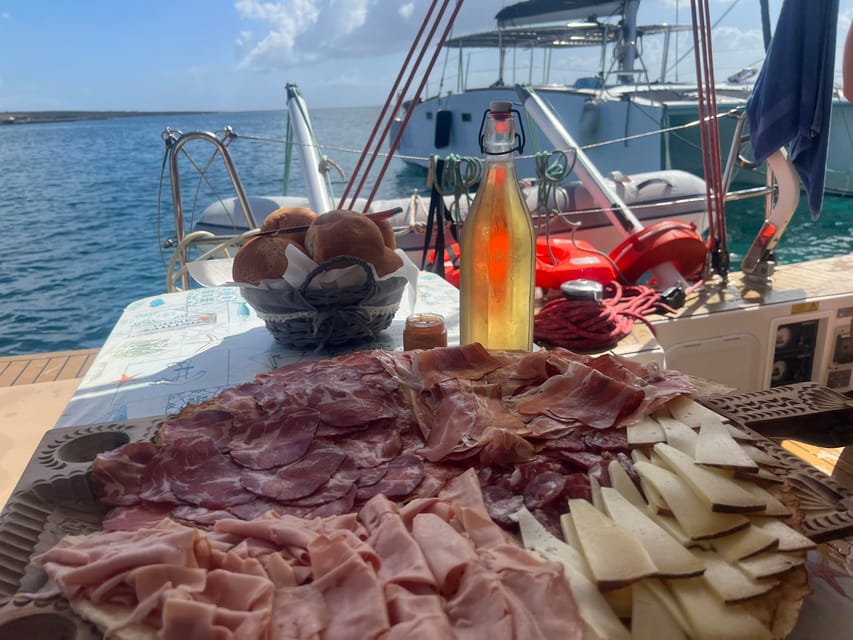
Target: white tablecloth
170, 350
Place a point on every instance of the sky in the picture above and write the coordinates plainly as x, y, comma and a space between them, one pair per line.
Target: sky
234, 55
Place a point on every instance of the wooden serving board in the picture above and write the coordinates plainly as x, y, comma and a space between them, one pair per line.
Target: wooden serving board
810, 413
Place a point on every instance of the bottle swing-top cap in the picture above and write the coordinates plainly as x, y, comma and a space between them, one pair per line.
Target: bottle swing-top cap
501, 110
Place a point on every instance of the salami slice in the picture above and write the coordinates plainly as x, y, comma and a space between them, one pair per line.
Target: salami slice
502, 505
544, 489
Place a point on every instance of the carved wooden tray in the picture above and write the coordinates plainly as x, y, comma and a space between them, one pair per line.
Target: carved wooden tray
810, 413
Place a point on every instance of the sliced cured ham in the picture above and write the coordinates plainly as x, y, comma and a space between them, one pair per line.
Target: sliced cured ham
402, 476
322, 438
583, 394
117, 475
296, 480
270, 444
199, 474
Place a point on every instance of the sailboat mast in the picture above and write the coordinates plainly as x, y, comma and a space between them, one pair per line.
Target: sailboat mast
629, 42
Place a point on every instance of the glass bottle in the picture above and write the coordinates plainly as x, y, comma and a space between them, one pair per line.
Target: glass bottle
498, 246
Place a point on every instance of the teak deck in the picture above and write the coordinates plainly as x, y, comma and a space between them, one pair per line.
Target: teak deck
45, 367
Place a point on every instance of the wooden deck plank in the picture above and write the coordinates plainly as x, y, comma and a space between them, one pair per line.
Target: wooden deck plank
11, 371
45, 367
53, 369
31, 372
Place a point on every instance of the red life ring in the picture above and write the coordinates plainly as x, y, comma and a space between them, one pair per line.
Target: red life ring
574, 259
665, 241
569, 260
451, 263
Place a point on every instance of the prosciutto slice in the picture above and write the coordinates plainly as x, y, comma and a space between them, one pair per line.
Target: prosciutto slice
583, 394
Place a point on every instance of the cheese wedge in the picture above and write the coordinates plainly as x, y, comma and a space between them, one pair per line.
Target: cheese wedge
712, 619
716, 447
669, 524
721, 492
658, 589
615, 557
679, 435
763, 475
567, 524
595, 493
592, 606
692, 513
789, 538
692, 413
744, 543
668, 554
621, 600
622, 482
637, 456
740, 435
728, 582
771, 563
650, 620
774, 507
759, 456
646, 432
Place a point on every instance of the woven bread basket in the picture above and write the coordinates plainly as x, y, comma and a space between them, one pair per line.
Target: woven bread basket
311, 317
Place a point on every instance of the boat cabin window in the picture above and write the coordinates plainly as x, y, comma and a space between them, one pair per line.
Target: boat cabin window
466, 117
429, 115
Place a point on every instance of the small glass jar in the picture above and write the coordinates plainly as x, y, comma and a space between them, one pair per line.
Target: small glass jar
424, 331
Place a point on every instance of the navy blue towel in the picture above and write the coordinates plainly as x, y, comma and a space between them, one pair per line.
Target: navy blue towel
792, 98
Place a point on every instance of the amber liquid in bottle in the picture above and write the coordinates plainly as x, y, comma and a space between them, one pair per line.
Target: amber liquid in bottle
497, 252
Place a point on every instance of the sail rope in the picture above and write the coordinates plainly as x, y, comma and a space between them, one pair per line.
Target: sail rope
460, 175
710, 138
377, 138
589, 325
585, 147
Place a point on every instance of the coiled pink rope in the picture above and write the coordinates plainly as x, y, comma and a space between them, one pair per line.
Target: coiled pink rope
588, 325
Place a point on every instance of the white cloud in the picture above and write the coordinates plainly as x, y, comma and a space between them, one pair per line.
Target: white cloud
311, 31
406, 10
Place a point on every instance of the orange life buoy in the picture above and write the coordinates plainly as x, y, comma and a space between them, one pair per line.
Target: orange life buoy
665, 241
567, 260
559, 260
451, 263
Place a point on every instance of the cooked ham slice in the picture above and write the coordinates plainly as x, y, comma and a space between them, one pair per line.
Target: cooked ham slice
438, 568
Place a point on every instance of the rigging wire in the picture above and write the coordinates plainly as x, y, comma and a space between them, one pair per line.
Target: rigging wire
710, 137
412, 102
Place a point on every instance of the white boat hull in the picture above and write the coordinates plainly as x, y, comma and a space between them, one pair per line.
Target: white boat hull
629, 131
652, 197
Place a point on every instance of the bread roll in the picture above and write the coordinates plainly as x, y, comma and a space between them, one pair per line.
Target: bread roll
287, 217
344, 233
388, 263
262, 257
388, 234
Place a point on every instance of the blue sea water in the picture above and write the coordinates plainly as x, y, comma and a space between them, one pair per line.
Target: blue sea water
80, 204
